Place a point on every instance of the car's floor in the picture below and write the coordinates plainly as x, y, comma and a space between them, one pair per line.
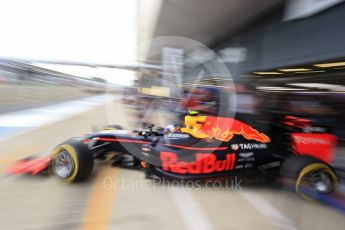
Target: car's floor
123, 199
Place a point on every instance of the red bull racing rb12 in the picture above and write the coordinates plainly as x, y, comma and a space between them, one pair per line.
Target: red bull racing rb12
298, 152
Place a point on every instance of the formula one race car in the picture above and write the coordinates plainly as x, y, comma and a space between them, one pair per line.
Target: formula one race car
206, 147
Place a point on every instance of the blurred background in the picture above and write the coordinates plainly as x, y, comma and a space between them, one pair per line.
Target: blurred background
66, 66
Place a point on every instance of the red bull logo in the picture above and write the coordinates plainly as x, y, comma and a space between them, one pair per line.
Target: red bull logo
221, 128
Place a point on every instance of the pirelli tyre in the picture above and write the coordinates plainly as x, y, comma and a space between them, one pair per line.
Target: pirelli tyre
72, 161
308, 176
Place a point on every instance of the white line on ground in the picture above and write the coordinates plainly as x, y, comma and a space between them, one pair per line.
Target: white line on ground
267, 210
47, 114
192, 214
26, 120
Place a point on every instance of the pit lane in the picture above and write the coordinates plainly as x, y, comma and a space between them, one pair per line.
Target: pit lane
123, 199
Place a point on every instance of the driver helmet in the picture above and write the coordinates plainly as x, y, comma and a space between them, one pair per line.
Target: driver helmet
172, 128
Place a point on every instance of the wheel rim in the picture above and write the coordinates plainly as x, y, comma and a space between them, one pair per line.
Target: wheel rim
63, 164
319, 181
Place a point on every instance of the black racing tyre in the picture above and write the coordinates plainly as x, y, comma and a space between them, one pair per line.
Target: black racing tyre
72, 161
307, 174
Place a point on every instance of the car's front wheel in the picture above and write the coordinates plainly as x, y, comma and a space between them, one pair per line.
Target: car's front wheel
72, 161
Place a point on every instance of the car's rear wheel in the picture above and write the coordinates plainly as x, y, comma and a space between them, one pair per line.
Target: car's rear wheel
308, 176
72, 161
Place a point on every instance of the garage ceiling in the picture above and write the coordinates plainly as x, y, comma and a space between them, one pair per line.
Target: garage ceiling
209, 21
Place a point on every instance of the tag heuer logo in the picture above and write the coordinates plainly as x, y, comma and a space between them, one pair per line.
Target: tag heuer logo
234, 146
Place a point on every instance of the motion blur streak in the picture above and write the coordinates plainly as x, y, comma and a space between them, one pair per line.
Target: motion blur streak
98, 211
192, 214
9, 157
267, 210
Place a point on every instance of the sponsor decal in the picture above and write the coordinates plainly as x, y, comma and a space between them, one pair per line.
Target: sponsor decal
250, 146
246, 159
178, 136
248, 165
239, 167
246, 155
204, 163
311, 129
146, 149
115, 131
270, 165
221, 128
319, 145
311, 140
234, 147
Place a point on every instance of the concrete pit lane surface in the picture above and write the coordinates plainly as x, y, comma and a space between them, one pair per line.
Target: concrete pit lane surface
115, 198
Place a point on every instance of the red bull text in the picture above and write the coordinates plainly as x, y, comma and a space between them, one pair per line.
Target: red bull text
204, 163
